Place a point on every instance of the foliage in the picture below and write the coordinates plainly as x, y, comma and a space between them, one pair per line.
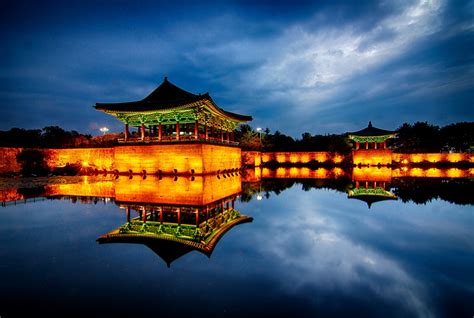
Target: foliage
424, 137
32, 162
48, 137
250, 140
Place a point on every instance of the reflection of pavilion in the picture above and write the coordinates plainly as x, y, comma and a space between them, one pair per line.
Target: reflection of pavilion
371, 185
175, 215
174, 230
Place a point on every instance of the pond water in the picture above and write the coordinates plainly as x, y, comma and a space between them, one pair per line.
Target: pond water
310, 250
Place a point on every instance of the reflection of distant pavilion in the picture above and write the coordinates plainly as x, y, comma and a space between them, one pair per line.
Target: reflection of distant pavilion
172, 231
371, 185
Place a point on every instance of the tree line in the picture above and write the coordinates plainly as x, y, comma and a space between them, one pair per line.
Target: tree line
50, 137
417, 137
457, 191
411, 138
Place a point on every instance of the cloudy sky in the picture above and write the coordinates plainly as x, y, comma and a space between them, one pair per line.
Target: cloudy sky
295, 66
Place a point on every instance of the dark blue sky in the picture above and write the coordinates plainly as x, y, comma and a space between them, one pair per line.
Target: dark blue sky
295, 66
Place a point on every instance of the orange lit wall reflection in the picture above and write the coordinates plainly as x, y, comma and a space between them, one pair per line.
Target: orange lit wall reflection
7, 195
302, 173
433, 173
371, 174
88, 187
199, 190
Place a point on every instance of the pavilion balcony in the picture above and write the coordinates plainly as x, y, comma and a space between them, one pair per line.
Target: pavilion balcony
173, 139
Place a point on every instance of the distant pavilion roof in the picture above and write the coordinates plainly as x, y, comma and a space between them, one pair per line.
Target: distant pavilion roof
167, 96
372, 131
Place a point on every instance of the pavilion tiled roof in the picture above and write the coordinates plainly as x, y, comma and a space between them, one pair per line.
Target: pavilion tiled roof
372, 131
165, 97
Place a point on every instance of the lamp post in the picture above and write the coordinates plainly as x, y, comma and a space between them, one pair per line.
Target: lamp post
104, 130
259, 130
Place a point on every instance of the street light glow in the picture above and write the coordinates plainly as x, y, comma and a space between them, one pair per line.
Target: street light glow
104, 130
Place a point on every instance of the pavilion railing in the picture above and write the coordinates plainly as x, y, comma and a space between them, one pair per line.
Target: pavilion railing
168, 139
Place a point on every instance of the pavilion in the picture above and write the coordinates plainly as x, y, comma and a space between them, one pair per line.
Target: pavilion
171, 114
372, 137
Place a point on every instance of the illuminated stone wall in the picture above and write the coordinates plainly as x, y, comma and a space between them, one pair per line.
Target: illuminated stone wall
99, 158
8, 163
152, 159
219, 158
372, 157
404, 158
251, 158
184, 158
202, 158
255, 158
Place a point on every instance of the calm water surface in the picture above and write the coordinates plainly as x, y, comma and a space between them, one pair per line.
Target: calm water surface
308, 252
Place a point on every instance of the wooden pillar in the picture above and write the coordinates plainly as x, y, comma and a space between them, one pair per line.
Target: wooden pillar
177, 130
127, 213
357, 184
179, 216
206, 131
375, 145
196, 129
384, 145
222, 135
233, 203
143, 131
227, 138
197, 216
161, 215
232, 136
127, 133
357, 145
366, 145
160, 131
144, 215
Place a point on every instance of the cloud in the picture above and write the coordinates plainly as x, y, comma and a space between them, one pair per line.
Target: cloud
310, 68
324, 253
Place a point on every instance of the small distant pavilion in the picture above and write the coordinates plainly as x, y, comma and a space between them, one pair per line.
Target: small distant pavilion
371, 137
170, 113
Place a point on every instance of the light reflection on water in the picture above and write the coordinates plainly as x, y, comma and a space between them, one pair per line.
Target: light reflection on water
309, 251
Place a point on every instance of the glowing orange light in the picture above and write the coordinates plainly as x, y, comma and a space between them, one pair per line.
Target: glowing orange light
338, 159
